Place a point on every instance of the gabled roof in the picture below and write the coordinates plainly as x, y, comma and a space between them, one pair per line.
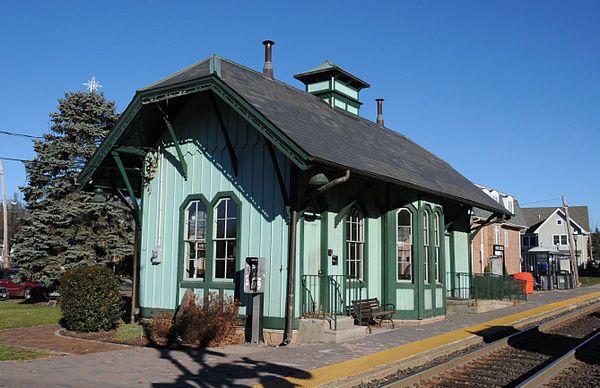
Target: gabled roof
535, 216
323, 133
517, 219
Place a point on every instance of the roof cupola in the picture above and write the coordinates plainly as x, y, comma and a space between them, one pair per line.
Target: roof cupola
334, 85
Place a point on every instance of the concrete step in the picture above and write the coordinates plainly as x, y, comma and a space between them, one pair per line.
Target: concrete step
343, 322
314, 331
475, 306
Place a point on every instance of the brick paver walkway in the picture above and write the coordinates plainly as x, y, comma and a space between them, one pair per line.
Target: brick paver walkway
240, 365
43, 338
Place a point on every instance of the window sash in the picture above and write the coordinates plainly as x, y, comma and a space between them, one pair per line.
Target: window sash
225, 239
404, 247
426, 246
195, 241
355, 235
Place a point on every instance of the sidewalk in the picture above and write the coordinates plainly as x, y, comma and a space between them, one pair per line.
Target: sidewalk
245, 365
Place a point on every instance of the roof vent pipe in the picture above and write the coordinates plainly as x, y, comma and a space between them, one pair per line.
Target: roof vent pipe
268, 69
379, 111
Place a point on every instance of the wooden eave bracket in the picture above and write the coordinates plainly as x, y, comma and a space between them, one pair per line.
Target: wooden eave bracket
175, 141
225, 132
476, 230
121, 168
132, 151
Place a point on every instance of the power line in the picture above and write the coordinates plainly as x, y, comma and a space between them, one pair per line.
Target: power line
13, 159
543, 200
20, 134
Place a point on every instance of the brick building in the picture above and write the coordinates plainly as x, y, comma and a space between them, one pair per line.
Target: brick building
499, 240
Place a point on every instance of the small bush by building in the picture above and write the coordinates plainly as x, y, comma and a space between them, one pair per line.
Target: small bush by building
212, 322
90, 299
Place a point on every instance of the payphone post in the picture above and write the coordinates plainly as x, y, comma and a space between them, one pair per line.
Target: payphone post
254, 283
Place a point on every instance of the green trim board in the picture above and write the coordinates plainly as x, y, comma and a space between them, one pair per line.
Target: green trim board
165, 118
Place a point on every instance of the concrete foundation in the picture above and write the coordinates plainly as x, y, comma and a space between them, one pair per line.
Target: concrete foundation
473, 306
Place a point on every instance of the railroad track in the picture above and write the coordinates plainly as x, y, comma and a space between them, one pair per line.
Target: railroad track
512, 360
578, 368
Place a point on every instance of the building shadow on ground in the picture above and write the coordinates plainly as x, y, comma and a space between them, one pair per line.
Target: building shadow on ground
213, 369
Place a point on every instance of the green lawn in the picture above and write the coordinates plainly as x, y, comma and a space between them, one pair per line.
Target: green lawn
588, 280
11, 353
16, 313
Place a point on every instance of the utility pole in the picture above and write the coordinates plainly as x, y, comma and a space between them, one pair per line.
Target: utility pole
571, 242
5, 249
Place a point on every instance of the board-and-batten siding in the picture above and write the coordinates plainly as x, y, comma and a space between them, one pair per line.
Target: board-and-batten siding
264, 230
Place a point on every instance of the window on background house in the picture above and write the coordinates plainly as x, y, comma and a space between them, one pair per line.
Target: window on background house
426, 246
559, 239
404, 244
559, 222
496, 196
195, 240
497, 234
355, 241
436, 233
506, 238
225, 240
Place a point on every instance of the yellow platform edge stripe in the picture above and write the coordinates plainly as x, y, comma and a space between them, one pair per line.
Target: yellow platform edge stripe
335, 372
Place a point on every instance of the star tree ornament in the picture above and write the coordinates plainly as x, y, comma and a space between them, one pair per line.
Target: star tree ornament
92, 85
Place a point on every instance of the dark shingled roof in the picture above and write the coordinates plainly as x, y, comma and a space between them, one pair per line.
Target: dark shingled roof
329, 136
535, 216
517, 219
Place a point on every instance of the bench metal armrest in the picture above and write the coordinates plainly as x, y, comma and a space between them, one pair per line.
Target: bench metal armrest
388, 306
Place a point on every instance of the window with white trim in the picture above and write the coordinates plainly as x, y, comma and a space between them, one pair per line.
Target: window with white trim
355, 241
195, 240
506, 238
404, 245
497, 234
426, 246
225, 238
558, 221
436, 234
559, 239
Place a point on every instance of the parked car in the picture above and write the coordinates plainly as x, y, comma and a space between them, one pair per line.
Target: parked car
26, 290
3, 293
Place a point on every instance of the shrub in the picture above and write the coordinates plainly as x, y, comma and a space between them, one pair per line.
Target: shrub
209, 323
89, 299
161, 326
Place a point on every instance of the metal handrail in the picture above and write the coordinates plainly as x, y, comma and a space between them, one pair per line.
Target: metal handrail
329, 296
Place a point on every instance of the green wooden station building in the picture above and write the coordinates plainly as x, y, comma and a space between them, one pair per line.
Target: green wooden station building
224, 163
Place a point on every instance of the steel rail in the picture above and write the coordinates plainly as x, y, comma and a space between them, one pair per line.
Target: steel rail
436, 370
547, 374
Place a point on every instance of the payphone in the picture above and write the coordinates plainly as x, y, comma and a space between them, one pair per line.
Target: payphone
254, 283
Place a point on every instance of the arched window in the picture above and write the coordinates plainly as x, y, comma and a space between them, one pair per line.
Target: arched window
436, 233
404, 245
355, 241
225, 238
195, 240
426, 246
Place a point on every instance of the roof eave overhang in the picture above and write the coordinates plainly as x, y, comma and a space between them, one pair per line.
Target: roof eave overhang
211, 82
502, 212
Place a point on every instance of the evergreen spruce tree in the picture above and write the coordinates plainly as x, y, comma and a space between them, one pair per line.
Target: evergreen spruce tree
65, 229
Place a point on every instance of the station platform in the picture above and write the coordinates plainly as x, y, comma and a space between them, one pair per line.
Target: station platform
344, 364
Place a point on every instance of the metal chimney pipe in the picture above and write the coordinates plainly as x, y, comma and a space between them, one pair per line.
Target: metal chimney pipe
268, 69
379, 111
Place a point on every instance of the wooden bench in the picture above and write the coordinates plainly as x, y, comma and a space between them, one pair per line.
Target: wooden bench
368, 310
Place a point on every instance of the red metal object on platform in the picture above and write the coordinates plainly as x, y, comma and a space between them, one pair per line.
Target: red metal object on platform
528, 278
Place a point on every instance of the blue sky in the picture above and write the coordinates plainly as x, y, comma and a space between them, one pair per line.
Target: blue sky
506, 92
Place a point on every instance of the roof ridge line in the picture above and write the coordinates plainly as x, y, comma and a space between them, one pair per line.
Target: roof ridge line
177, 73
